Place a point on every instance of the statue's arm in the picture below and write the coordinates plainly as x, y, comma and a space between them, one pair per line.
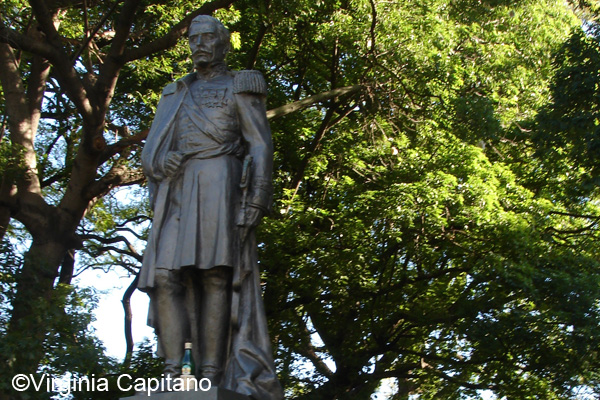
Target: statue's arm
157, 162
250, 92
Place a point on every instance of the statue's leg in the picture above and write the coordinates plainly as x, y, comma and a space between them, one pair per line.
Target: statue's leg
214, 321
173, 324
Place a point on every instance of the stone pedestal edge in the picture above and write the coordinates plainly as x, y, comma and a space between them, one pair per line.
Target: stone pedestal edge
211, 394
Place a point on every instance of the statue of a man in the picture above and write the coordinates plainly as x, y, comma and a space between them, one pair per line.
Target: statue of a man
208, 159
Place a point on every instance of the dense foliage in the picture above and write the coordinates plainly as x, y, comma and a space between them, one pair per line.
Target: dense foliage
435, 221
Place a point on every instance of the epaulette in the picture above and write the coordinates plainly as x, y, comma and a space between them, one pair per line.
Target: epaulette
249, 81
170, 89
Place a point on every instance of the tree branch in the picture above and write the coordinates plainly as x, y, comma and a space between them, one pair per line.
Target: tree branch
40, 70
64, 68
575, 215
17, 108
309, 101
31, 210
6, 208
122, 144
572, 231
137, 218
128, 319
373, 26
326, 125
130, 251
109, 70
399, 372
253, 54
262, 30
67, 267
45, 19
131, 231
26, 43
95, 31
309, 351
119, 175
457, 380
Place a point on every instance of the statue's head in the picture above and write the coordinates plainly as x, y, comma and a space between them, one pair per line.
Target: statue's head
209, 40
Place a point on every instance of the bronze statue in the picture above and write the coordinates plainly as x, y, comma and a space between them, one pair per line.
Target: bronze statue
208, 159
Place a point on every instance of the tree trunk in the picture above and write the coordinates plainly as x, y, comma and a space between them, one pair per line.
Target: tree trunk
32, 305
5, 190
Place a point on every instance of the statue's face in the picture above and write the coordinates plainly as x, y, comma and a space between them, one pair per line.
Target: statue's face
205, 44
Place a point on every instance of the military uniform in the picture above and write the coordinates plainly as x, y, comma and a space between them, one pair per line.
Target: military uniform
214, 123
205, 121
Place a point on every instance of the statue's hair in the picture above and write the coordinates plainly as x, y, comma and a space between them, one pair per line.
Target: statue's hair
222, 32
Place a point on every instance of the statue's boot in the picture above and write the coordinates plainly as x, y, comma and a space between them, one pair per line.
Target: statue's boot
172, 324
214, 322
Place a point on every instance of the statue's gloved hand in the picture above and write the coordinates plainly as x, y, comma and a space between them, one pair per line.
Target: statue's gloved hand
172, 163
252, 218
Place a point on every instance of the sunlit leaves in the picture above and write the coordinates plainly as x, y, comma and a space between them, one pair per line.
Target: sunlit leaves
413, 222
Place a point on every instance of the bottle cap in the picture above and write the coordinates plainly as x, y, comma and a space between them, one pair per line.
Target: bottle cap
188, 345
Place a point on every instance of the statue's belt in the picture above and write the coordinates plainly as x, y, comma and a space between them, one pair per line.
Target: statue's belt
232, 148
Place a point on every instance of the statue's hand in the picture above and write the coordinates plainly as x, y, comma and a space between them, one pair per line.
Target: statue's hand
172, 163
252, 218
